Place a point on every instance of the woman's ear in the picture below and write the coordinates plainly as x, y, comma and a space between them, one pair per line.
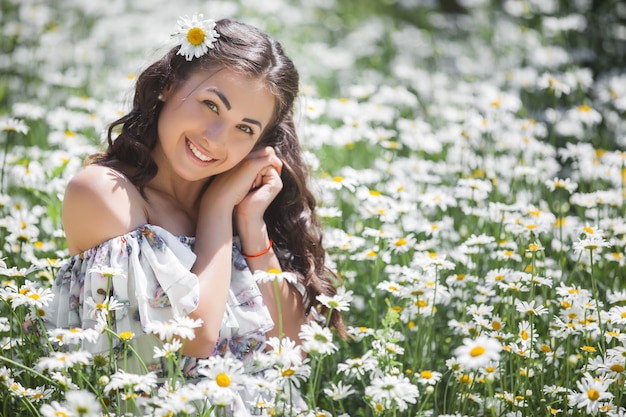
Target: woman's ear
164, 94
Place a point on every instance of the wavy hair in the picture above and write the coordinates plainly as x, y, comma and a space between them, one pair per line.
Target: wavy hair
290, 218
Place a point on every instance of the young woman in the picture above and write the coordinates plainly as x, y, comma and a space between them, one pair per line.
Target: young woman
202, 184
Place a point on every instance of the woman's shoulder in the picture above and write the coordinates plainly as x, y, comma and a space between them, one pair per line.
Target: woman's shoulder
100, 203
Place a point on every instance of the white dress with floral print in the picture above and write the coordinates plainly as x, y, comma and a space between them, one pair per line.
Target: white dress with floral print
154, 283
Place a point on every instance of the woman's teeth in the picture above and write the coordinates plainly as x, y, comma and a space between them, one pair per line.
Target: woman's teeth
199, 154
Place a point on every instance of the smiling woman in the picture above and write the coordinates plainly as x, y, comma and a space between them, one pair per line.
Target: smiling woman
203, 185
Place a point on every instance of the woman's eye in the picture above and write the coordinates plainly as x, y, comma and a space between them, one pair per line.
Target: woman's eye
246, 129
211, 105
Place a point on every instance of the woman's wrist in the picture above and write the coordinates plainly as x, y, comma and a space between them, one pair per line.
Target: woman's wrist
253, 236
260, 253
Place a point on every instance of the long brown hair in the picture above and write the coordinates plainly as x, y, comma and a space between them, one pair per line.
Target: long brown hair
290, 218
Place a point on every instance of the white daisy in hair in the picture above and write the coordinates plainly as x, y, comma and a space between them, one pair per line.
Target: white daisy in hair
195, 36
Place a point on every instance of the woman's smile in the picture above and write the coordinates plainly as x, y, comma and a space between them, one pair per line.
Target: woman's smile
197, 153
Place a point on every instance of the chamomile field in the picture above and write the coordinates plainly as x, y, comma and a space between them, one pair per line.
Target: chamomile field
469, 164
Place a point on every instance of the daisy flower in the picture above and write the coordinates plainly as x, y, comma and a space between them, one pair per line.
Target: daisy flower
5, 325
593, 394
390, 389
138, 383
617, 315
54, 409
528, 307
317, 339
284, 352
13, 125
73, 336
63, 360
478, 353
195, 35
225, 376
286, 377
82, 403
340, 301
169, 350
272, 275
181, 326
558, 183
358, 333
590, 243
32, 295
427, 377
178, 401
357, 367
339, 391
107, 271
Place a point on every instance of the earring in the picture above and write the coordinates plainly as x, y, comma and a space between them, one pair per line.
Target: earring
160, 97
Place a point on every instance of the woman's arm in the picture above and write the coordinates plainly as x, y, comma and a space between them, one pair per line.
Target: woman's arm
254, 239
214, 238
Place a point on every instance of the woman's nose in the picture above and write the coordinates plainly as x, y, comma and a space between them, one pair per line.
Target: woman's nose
215, 133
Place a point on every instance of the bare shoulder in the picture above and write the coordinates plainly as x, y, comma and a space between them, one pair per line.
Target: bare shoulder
100, 203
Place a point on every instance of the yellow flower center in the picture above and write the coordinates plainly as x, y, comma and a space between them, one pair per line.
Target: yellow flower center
337, 179
496, 325
477, 351
126, 335
273, 271
524, 335
195, 36
617, 368
34, 296
465, 379
222, 380
624, 315
593, 394
401, 242
288, 372
426, 374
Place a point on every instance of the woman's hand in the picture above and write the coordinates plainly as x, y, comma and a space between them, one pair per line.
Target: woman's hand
250, 186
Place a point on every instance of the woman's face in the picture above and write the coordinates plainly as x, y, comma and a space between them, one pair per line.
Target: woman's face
210, 122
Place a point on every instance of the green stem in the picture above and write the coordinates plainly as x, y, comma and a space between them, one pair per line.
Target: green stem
279, 308
4, 162
30, 406
596, 295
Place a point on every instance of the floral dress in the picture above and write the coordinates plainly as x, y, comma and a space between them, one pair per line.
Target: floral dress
151, 279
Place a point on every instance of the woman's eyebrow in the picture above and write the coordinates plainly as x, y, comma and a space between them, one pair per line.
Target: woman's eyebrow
254, 122
224, 100
221, 96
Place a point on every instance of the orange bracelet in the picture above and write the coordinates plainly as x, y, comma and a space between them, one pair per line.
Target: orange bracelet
263, 252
